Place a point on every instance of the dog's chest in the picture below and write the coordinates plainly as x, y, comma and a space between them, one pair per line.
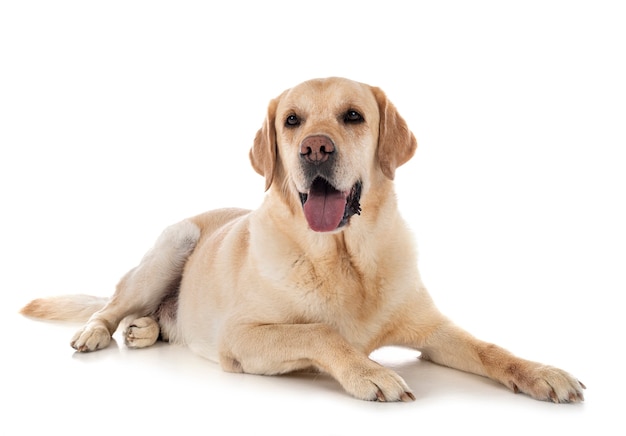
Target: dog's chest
334, 291
354, 291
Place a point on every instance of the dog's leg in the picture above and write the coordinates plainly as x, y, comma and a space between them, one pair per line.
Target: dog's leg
142, 289
282, 348
451, 346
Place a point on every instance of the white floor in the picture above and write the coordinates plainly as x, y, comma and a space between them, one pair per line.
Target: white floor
47, 388
119, 118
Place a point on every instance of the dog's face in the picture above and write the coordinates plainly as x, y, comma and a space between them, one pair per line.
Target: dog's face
327, 142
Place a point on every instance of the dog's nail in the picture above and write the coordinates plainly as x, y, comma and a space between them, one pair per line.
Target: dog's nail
553, 396
379, 396
407, 396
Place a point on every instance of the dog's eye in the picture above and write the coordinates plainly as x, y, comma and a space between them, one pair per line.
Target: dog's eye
353, 116
292, 121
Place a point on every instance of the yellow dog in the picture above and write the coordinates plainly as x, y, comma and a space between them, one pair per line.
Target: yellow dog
322, 274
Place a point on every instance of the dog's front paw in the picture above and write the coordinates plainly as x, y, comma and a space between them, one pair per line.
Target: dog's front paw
376, 383
94, 336
544, 382
142, 332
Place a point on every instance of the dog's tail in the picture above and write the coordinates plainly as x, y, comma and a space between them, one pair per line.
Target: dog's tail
76, 308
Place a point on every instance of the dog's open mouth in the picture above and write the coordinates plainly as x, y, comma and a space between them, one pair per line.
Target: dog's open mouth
327, 209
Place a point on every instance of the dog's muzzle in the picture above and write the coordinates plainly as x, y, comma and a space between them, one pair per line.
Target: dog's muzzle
327, 209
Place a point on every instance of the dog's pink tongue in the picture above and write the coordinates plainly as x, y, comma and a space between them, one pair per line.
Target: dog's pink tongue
324, 207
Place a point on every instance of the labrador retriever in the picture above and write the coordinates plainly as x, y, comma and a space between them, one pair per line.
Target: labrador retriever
323, 273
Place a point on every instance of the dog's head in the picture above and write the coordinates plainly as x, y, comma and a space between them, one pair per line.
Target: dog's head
327, 142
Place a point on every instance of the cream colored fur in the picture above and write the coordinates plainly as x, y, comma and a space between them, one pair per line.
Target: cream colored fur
259, 292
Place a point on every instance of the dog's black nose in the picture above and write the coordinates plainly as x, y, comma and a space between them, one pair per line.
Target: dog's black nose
316, 149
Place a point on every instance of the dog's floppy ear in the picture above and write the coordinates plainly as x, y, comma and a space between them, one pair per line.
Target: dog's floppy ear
396, 143
263, 153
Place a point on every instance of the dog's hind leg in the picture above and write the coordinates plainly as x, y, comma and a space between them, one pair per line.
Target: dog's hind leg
142, 289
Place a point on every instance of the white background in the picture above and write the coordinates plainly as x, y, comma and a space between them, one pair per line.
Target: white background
118, 118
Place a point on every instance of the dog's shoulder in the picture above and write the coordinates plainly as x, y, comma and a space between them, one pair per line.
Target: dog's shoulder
210, 221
